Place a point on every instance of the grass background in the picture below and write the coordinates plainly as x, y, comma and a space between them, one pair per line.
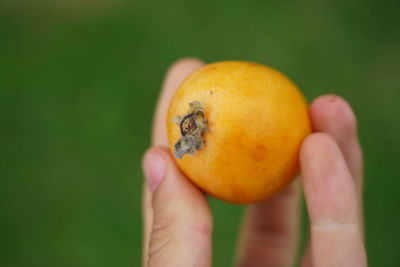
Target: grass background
78, 84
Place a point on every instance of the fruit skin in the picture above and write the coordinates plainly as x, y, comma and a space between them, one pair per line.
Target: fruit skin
257, 120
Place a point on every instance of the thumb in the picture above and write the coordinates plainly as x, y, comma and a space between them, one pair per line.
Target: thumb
182, 226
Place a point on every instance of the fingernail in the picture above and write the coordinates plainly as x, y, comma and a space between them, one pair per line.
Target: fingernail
154, 169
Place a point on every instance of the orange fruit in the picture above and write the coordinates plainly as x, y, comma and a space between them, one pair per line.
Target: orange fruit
235, 129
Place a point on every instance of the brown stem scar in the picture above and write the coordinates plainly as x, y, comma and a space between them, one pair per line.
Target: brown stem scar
192, 125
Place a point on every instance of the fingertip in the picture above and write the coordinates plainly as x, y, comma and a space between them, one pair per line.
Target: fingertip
319, 156
184, 63
154, 167
148, 154
179, 70
161, 151
158, 154
166, 156
175, 188
315, 145
331, 113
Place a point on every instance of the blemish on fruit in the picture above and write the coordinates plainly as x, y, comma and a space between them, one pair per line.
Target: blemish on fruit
192, 125
259, 152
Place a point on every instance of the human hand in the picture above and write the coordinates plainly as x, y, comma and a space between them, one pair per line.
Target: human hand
178, 220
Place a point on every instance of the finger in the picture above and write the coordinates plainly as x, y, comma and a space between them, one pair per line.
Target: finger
182, 225
147, 218
175, 75
331, 114
270, 231
306, 261
336, 238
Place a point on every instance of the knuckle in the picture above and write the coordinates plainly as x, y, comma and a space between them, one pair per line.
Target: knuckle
170, 232
333, 224
162, 236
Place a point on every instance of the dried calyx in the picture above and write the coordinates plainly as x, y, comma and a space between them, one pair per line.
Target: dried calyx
192, 125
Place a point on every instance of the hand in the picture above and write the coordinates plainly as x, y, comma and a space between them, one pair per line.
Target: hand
178, 220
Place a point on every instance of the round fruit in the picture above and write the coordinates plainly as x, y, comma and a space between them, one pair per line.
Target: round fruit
235, 129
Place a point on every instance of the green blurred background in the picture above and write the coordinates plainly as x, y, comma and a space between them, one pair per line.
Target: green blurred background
79, 81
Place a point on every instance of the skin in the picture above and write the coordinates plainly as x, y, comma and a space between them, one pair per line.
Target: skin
177, 217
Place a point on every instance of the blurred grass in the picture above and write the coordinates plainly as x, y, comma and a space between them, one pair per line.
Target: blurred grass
78, 84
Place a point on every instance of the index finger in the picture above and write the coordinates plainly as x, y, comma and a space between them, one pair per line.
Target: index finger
174, 77
336, 236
